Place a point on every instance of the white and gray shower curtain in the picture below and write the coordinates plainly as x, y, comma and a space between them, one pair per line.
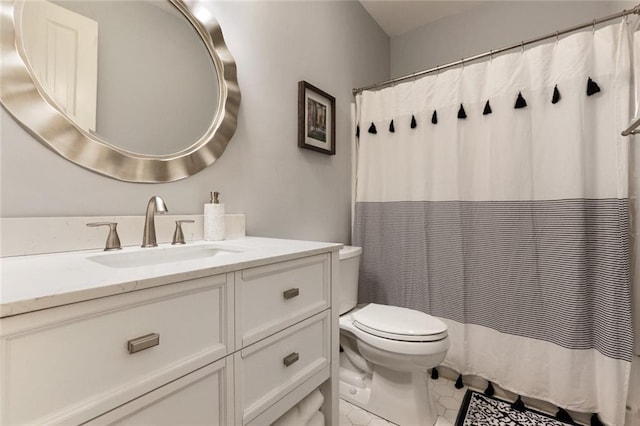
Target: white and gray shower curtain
512, 226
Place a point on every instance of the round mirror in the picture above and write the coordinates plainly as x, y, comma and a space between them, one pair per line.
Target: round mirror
142, 91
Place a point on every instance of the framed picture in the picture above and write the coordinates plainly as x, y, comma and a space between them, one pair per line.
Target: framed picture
316, 119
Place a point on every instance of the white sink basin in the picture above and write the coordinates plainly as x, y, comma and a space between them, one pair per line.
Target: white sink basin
161, 255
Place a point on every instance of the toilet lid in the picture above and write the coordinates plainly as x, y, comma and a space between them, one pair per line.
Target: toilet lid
393, 322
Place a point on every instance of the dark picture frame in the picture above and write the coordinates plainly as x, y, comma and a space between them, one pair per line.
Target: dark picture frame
316, 119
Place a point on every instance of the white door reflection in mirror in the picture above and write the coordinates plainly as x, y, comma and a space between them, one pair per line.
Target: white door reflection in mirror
63, 51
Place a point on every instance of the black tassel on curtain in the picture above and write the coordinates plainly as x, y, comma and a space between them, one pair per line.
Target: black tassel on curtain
563, 416
459, 384
592, 87
518, 405
462, 114
556, 95
434, 373
520, 101
489, 391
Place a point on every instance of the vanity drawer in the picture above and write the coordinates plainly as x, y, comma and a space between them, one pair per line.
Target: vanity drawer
73, 361
204, 397
271, 297
268, 370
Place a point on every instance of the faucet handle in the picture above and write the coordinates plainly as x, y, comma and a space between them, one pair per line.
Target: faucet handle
178, 235
113, 241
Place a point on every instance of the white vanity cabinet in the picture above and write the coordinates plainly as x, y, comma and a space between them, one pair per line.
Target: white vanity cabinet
240, 347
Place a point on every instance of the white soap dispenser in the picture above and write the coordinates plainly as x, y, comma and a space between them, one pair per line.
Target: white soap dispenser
214, 219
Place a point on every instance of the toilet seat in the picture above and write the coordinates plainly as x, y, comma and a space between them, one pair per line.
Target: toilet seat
401, 324
394, 345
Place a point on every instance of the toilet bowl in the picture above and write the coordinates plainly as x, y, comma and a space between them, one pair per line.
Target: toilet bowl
386, 352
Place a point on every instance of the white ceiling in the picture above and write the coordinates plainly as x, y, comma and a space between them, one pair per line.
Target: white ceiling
397, 17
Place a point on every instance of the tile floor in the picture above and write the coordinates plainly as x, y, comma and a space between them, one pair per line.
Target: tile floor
447, 403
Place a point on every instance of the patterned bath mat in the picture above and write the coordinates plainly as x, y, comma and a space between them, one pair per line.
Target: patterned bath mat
478, 409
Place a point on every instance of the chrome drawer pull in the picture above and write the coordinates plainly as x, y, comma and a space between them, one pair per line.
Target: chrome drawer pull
290, 359
291, 293
143, 342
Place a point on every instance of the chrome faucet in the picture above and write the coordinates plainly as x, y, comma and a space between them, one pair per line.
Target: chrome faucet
155, 205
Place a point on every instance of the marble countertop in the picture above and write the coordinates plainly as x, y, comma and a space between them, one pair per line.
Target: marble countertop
30, 283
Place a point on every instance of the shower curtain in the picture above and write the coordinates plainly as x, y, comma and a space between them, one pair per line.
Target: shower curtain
495, 196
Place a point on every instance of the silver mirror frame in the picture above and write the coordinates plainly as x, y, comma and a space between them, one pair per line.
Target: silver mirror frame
26, 101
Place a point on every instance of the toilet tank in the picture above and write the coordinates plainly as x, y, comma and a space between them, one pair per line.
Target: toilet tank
349, 269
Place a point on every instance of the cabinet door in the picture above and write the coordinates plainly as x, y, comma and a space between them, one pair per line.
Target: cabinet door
204, 397
69, 364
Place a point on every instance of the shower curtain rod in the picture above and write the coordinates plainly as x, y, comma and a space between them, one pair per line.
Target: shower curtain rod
635, 10
631, 130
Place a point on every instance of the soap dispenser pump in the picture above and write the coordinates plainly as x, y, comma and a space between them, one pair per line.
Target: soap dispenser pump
214, 218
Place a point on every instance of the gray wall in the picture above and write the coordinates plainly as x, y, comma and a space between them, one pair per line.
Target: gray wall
490, 26
285, 191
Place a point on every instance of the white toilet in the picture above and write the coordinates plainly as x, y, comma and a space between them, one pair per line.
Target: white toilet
386, 351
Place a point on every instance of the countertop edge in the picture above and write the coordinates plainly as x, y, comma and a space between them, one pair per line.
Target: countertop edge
25, 306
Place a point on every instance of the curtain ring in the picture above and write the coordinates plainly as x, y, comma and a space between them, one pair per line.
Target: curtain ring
557, 36
522, 46
593, 26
